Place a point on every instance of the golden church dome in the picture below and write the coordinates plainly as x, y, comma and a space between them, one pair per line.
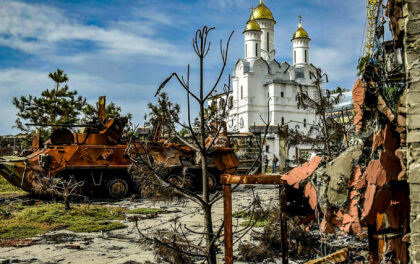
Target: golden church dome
300, 32
252, 25
262, 12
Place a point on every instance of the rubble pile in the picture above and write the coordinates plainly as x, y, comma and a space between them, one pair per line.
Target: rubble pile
364, 191
365, 188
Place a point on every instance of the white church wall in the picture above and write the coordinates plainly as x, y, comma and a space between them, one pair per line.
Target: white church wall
256, 79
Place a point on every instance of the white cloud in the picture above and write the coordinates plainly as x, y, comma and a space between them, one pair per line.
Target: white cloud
37, 29
228, 4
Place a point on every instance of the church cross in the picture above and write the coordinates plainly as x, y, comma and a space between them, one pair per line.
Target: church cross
300, 20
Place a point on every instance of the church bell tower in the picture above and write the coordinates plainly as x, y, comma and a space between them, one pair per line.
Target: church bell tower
300, 42
264, 17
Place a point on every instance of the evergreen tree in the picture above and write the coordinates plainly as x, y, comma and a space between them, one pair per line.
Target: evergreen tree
58, 105
165, 111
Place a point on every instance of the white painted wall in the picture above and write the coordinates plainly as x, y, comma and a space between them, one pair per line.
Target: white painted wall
257, 78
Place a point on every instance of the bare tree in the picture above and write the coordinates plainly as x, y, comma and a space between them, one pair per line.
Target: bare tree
59, 187
202, 143
328, 130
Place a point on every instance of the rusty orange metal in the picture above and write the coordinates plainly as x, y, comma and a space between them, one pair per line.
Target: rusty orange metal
99, 157
227, 180
340, 256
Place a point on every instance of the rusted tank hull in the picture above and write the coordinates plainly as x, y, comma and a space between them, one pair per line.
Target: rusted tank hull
97, 165
18, 172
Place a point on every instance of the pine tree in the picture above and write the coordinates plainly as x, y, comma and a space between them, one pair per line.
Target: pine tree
165, 111
58, 105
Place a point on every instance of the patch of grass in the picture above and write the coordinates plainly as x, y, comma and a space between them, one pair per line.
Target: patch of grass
7, 188
260, 218
29, 221
242, 214
147, 211
258, 223
12, 229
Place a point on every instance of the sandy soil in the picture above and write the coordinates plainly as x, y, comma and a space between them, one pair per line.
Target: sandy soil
122, 246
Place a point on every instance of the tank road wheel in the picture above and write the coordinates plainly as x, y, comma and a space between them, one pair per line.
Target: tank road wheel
173, 179
212, 182
181, 180
117, 188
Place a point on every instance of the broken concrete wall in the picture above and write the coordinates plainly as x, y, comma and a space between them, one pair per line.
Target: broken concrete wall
411, 12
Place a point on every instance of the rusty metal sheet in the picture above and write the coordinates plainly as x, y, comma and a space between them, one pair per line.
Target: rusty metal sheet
358, 93
310, 193
368, 199
298, 174
380, 203
339, 256
358, 179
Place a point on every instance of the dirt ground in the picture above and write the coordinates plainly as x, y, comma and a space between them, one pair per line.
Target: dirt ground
122, 245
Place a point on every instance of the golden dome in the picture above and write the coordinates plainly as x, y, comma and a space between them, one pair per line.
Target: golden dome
300, 32
262, 12
252, 25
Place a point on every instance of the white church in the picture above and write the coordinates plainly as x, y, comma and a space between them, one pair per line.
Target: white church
259, 81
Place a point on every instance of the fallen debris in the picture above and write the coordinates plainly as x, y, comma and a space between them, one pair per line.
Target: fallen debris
298, 174
74, 246
336, 257
16, 242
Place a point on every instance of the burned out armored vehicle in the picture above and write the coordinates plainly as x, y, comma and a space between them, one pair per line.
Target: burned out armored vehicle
98, 156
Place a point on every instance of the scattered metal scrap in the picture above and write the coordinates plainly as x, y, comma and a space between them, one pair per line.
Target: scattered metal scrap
339, 256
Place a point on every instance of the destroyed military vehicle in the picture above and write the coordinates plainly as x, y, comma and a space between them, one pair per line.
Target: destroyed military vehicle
98, 156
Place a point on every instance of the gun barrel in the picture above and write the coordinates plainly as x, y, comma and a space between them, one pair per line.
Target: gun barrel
62, 125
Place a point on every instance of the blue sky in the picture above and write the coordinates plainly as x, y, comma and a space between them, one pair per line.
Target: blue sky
124, 49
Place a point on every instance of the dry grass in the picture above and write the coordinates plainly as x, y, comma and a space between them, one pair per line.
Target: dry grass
151, 187
19, 221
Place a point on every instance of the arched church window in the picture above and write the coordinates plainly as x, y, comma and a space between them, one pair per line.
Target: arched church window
246, 50
222, 103
306, 56
256, 49
304, 122
282, 121
282, 94
294, 56
230, 102
268, 41
241, 122
242, 92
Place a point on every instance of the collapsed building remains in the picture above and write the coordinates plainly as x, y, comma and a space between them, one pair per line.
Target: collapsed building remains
374, 185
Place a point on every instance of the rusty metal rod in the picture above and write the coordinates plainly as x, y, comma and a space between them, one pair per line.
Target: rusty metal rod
252, 179
228, 236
